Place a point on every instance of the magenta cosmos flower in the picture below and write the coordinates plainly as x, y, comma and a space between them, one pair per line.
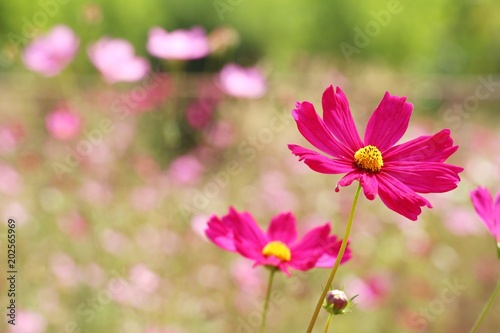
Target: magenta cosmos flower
243, 82
395, 172
278, 247
116, 60
488, 209
178, 44
51, 53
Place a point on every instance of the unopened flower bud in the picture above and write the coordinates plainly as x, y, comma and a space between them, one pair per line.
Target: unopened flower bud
338, 299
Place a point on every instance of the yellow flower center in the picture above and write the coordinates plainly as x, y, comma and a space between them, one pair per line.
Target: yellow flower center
369, 159
277, 249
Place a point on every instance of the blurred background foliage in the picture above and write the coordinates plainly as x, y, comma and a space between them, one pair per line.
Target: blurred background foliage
443, 36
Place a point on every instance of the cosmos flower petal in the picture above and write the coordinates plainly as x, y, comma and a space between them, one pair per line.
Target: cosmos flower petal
349, 178
369, 183
306, 252
388, 122
249, 238
312, 127
283, 228
496, 217
427, 177
337, 116
435, 148
399, 197
320, 163
220, 233
483, 204
327, 260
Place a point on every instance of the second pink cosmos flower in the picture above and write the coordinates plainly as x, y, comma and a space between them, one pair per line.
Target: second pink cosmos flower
278, 247
395, 172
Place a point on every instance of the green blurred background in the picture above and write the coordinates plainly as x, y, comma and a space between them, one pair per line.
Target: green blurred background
443, 36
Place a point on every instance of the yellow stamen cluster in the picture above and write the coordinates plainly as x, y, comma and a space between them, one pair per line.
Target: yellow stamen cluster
277, 249
369, 159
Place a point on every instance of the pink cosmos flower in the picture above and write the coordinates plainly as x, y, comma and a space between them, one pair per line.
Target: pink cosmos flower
278, 247
116, 60
395, 172
237, 81
488, 210
63, 123
178, 44
49, 54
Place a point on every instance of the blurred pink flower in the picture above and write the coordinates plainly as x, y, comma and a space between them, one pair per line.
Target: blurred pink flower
152, 95
49, 54
65, 269
10, 180
371, 291
144, 198
185, 170
28, 322
199, 113
237, 81
461, 222
488, 210
11, 134
178, 44
245, 277
238, 232
73, 224
220, 135
114, 242
63, 123
144, 279
116, 60
394, 172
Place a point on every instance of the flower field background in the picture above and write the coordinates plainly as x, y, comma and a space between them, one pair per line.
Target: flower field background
112, 175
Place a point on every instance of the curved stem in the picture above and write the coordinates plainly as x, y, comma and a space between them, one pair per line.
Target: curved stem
328, 322
486, 309
343, 246
268, 296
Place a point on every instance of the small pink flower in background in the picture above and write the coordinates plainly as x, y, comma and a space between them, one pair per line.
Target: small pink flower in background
144, 278
220, 135
28, 322
238, 232
144, 198
245, 277
488, 209
11, 135
114, 241
395, 172
96, 192
371, 290
199, 114
10, 180
73, 224
152, 95
116, 60
51, 53
462, 222
185, 170
242, 82
63, 123
178, 44
65, 269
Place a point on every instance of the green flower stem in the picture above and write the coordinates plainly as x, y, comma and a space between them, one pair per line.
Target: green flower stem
343, 246
328, 322
268, 296
486, 309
